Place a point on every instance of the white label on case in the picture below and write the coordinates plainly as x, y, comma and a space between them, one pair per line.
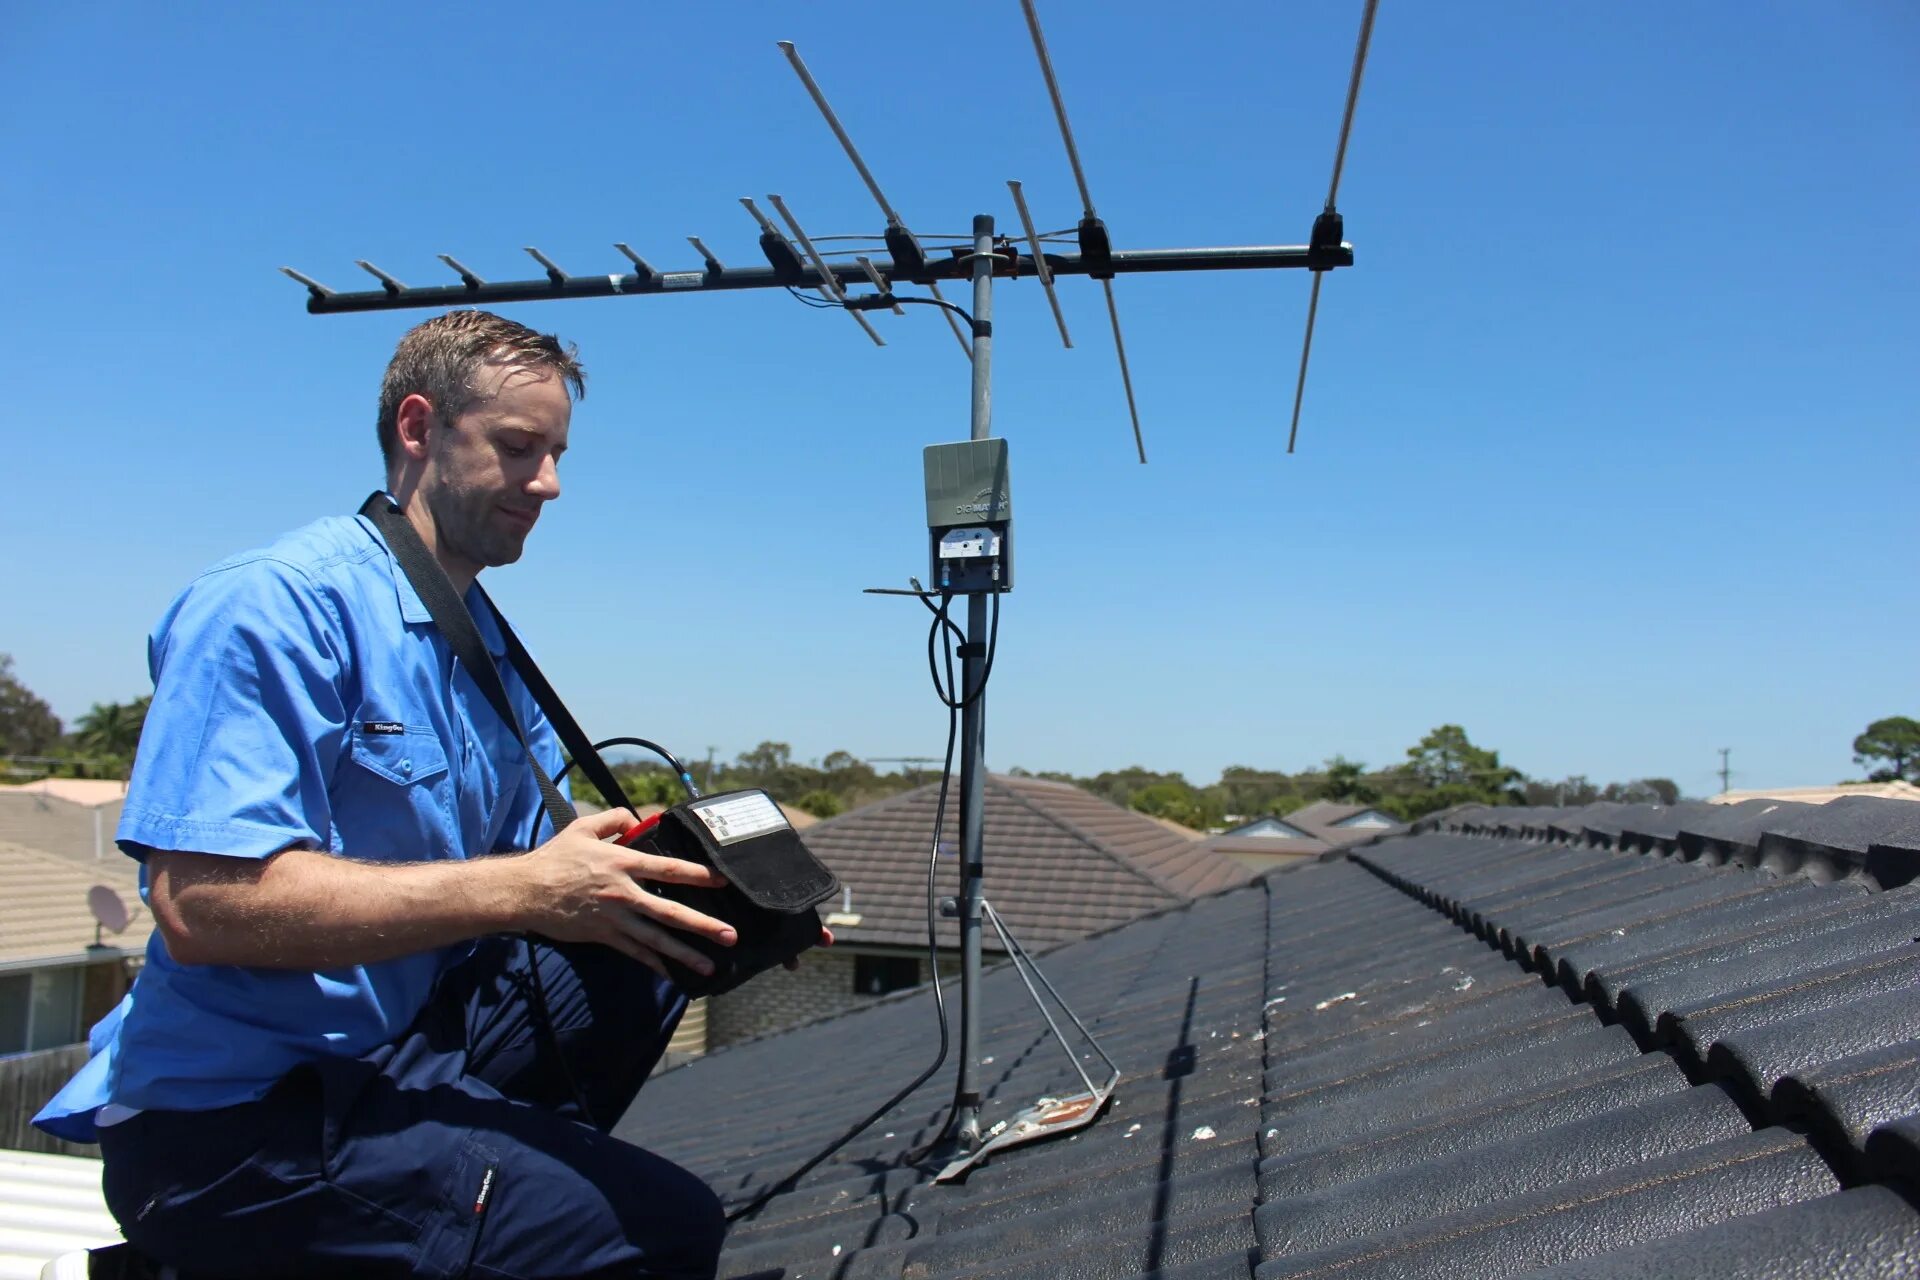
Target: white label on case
735, 818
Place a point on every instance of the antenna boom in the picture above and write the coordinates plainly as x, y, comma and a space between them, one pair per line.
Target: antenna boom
700, 280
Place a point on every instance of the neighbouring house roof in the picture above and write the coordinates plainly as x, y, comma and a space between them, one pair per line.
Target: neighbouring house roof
1061, 863
43, 905
86, 791
1263, 853
1343, 824
1269, 827
1896, 790
1527, 1048
59, 825
798, 819
49, 1205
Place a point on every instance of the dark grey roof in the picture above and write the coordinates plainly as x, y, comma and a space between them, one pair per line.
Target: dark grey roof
1445, 1054
1065, 862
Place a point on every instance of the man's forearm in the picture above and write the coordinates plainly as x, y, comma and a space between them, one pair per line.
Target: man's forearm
305, 910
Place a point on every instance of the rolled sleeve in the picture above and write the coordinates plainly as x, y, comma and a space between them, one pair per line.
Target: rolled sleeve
248, 718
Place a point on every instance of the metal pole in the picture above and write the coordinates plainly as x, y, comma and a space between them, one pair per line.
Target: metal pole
973, 721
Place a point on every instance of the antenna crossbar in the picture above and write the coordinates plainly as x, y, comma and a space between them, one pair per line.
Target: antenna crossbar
710, 280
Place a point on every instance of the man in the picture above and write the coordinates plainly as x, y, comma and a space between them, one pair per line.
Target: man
330, 1063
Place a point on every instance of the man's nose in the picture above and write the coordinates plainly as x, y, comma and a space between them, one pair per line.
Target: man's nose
546, 482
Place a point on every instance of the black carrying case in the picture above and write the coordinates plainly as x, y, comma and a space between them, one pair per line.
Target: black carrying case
773, 885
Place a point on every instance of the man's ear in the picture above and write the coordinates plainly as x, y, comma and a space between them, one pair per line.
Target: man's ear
414, 423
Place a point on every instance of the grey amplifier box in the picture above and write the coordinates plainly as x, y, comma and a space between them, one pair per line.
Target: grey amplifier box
970, 516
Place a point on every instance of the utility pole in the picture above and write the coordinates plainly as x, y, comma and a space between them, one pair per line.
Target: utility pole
1726, 774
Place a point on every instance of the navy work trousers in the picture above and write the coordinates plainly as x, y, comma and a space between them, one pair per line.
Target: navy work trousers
455, 1150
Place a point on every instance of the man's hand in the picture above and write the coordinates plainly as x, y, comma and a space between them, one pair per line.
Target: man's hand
582, 887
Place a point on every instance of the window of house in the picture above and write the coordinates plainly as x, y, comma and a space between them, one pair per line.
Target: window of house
16, 996
55, 1011
41, 1009
877, 975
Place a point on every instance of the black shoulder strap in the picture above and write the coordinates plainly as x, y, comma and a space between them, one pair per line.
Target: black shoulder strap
450, 614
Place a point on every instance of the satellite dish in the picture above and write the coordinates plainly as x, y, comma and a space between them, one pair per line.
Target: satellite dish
109, 912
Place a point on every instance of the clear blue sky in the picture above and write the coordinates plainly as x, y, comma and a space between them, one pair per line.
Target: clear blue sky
1609, 448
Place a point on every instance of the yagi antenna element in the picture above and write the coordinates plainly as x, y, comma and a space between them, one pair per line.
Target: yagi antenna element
1093, 232
1328, 228
898, 237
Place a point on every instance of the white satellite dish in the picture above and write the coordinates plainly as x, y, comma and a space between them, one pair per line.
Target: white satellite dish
109, 912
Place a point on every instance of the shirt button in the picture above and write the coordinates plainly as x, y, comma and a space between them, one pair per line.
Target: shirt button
406, 766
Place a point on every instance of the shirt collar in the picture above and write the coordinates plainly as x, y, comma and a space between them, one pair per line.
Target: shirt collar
413, 610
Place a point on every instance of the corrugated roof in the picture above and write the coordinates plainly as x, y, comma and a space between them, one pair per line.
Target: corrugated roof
43, 909
1064, 863
1452, 1053
49, 1205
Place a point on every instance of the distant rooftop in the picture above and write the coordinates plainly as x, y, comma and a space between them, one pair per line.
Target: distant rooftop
1062, 863
1821, 795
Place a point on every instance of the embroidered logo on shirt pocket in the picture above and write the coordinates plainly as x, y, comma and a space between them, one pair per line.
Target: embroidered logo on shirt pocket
414, 755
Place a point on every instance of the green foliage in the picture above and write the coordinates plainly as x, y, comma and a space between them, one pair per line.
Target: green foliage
1577, 790
1445, 769
1893, 742
1346, 783
820, 803
1174, 801
108, 735
28, 726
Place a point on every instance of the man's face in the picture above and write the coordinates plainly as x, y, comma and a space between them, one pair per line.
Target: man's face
492, 469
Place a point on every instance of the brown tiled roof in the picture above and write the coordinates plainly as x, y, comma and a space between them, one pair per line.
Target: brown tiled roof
1320, 820
1263, 852
43, 903
798, 819
1060, 863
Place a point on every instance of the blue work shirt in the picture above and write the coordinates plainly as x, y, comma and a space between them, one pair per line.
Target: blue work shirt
303, 699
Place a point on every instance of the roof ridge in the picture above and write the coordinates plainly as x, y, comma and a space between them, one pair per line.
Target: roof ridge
1086, 837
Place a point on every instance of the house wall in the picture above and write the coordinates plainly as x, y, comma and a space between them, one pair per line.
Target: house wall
778, 999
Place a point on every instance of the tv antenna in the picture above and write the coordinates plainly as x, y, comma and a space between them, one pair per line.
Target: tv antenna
870, 278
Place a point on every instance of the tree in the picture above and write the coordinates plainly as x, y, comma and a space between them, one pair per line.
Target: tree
821, 804
28, 726
1346, 783
1445, 768
1895, 740
108, 735
1173, 800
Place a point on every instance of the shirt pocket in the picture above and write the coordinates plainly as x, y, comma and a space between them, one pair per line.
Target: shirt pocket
407, 758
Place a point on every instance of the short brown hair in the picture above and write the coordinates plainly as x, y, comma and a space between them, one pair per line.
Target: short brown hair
441, 358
